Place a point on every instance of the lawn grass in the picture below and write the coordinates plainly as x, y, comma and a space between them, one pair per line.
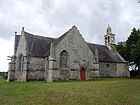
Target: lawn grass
104, 91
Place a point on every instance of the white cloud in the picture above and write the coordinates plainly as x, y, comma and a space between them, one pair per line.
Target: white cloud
6, 50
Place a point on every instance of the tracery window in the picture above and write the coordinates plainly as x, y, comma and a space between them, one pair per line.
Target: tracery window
20, 62
64, 56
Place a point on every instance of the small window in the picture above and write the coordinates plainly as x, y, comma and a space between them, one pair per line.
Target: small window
108, 39
107, 65
95, 59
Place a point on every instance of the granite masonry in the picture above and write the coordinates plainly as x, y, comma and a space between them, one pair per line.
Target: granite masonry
68, 57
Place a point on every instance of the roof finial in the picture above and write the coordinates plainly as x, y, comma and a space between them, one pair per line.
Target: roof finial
108, 25
22, 28
74, 27
109, 30
15, 33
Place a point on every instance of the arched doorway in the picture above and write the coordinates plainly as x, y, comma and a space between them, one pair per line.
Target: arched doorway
82, 74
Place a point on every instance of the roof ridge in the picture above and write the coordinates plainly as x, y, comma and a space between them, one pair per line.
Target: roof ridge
38, 45
96, 44
39, 35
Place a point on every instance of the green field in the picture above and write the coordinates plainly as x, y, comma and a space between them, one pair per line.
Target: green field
106, 91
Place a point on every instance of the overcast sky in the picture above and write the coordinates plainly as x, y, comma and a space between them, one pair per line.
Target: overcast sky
52, 18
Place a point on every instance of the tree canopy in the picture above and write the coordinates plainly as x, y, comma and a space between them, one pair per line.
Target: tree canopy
130, 49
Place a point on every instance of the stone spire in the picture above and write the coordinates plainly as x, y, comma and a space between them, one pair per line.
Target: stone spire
109, 38
108, 30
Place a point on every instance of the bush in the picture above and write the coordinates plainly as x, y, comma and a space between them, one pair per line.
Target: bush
135, 73
5, 76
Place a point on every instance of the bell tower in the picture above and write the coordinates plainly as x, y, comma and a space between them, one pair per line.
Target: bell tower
109, 38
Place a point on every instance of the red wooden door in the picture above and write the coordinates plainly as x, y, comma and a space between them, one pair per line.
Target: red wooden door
82, 73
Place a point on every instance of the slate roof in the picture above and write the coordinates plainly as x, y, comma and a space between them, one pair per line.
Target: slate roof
105, 55
39, 46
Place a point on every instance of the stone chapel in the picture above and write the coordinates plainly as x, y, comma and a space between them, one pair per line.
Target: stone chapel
68, 57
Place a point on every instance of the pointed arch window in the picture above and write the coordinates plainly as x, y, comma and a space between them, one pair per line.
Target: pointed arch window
108, 39
20, 61
64, 56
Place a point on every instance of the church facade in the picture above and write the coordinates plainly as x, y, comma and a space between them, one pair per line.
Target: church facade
68, 57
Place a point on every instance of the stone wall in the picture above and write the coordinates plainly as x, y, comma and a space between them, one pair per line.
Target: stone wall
122, 70
21, 76
80, 54
36, 68
20, 72
22, 47
65, 75
73, 74
107, 69
11, 71
36, 63
35, 75
94, 74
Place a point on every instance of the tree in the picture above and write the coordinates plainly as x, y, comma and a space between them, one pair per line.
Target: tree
130, 49
121, 48
136, 55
